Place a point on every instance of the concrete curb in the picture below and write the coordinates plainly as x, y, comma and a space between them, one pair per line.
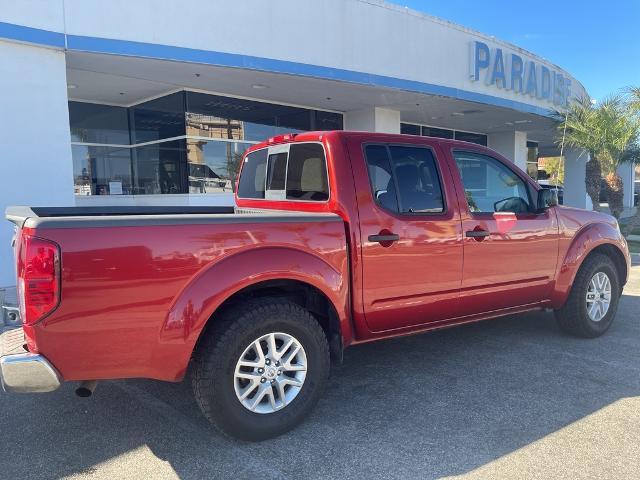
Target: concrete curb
633, 238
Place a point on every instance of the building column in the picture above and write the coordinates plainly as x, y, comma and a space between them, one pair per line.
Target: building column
575, 189
512, 145
628, 173
36, 163
375, 119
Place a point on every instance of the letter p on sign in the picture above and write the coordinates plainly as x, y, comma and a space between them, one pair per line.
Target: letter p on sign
481, 59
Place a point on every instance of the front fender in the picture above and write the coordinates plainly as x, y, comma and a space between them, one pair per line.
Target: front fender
583, 243
201, 298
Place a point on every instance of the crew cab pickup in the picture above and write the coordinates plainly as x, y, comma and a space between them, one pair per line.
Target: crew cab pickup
337, 238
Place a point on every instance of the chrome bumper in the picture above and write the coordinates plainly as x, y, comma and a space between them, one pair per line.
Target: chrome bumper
22, 371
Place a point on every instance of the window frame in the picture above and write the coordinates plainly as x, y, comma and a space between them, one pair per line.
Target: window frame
527, 185
387, 145
280, 148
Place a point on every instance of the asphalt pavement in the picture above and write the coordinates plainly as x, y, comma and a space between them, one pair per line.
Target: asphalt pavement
506, 398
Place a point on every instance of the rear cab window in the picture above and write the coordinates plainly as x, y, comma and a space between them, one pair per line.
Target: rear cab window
293, 171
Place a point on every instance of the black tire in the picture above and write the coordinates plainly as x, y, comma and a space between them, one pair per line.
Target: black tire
573, 317
219, 351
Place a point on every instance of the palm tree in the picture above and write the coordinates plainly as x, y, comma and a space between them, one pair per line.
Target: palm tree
576, 127
606, 132
619, 130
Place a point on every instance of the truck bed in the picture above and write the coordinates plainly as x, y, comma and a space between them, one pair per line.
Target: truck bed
139, 284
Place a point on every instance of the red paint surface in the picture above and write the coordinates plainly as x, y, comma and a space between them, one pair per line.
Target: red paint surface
135, 299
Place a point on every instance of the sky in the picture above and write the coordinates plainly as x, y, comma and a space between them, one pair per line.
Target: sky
598, 42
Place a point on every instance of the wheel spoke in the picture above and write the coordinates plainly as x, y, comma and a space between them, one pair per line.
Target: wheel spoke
258, 348
248, 375
284, 349
248, 389
259, 396
291, 381
295, 368
271, 342
281, 393
291, 356
272, 397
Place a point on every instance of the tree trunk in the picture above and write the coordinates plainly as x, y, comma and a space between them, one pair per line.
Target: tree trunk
593, 175
615, 194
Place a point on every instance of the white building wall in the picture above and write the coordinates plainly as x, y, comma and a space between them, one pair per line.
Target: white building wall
628, 174
355, 35
35, 164
382, 120
575, 190
512, 145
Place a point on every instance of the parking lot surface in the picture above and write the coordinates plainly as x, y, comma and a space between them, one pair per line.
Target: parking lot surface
507, 398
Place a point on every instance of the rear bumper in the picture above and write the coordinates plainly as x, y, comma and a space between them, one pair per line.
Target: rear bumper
22, 371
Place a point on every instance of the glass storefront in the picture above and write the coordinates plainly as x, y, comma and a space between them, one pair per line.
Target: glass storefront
213, 165
532, 160
185, 142
425, 131
101, 170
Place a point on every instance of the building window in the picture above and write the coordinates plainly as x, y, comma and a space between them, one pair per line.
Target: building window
234, 118
92, 123
160, 168
409, 129
213, 165
437, 132
428, 131
185, 142
532, 159
158, 119
101, 170
478, 138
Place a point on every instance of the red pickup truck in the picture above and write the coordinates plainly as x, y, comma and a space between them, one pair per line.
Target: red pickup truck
337, 238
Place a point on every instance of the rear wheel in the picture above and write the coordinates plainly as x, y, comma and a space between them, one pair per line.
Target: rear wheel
261, 369
593, 301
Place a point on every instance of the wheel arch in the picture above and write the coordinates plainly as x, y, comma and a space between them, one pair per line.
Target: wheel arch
301, 276
302, 293
598, 238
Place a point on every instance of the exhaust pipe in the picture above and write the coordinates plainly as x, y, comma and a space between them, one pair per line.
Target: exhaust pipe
86, 388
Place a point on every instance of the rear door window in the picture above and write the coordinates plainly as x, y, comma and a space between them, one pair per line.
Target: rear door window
404, 179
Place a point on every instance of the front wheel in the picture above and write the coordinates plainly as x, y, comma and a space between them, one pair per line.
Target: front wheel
593, 301
261, 369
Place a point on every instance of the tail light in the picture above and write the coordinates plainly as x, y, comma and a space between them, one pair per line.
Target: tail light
38, 277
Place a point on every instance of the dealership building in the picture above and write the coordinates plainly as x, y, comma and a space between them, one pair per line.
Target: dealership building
152, 102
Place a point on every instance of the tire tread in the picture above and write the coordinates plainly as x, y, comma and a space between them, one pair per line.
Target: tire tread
231, 325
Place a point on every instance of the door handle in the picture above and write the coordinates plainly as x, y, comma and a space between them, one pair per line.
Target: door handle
477, 233
391, 237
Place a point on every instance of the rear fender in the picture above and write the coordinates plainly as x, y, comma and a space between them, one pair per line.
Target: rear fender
196, 304
585, 241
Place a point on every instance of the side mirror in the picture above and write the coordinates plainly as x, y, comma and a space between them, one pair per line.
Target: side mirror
547, 198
